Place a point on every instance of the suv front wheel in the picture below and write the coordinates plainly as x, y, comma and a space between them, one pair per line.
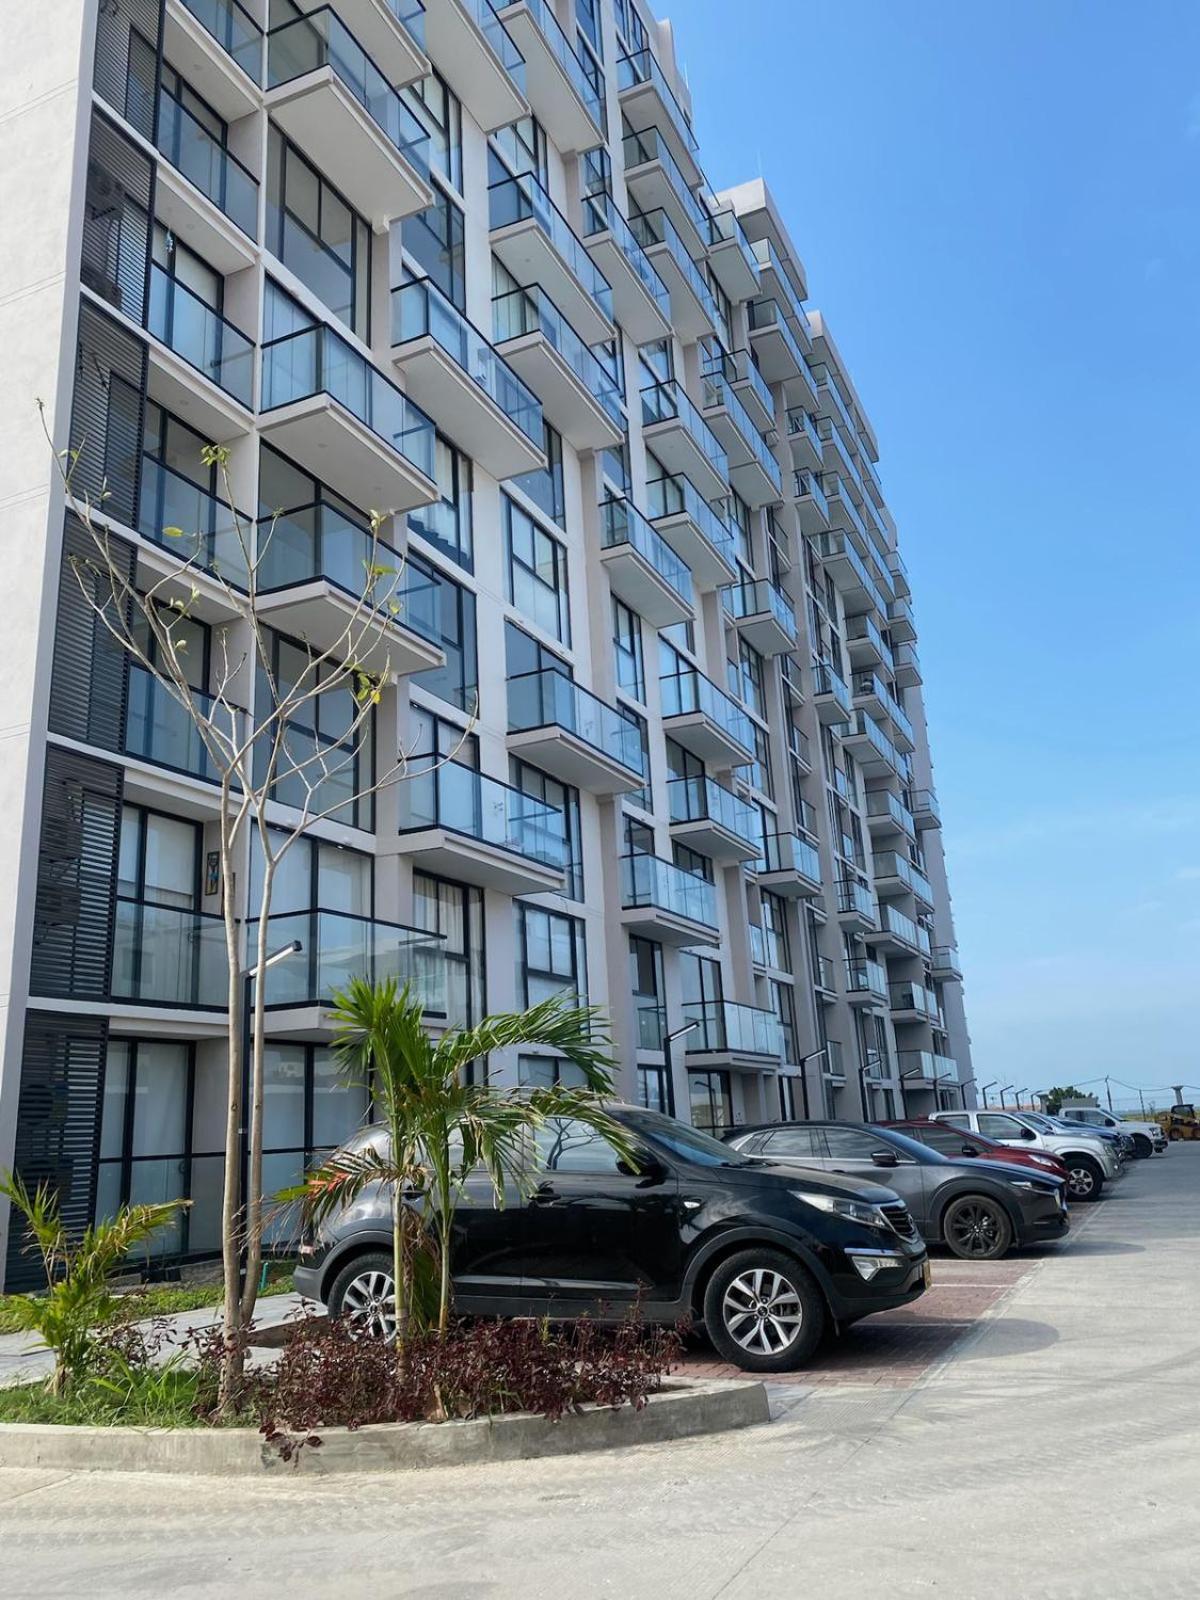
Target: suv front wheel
976, 1228
364, 1293
1085, 1180
763, 1312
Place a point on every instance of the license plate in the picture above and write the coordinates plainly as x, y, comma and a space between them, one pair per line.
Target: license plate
926, 1273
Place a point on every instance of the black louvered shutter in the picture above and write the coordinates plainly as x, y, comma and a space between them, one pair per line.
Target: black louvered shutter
128, 54
118, 205
89, 686
77, 878
58, 1126
108, 416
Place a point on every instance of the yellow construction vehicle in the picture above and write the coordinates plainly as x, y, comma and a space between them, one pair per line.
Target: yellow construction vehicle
1180, 1122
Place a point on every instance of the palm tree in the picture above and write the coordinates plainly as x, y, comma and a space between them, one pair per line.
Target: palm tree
441, 1128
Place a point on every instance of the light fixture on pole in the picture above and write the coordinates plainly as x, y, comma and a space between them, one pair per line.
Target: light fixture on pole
668, 1040
295, 948
804, 1060
1003, 1092
985, 1089
963, 1085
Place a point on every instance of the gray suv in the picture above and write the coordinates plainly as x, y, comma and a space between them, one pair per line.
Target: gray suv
978, 1209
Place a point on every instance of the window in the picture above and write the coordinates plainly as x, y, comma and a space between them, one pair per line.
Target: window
750, 676
317, 235
145, 1134
564, 1145
646, 983
775, 932
787, 1099
326, 760
850, 1145
438, 111
309, 1108
701, 979
537, 574
183, 266
738, 521
455, 911
692, 861
436, 240
643, 797
784, 1006
446, 523
158, 859
627, 650
545, 485
552, 955
613, 462
1000, 1127
652, 1089
458, 681
529, 780
795, 1142
711, 1102
961, 1120
517, 149
314, 874
630, 26
544, 1072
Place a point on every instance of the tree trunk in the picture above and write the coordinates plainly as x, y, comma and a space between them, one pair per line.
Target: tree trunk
231, 1359
400, 1275
254, 1195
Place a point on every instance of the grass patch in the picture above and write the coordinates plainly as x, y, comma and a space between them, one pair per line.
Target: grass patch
155, 1400
164, 1299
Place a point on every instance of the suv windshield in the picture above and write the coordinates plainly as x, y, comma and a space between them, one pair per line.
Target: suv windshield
690, 1144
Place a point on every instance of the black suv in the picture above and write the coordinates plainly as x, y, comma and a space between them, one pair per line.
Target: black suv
768, 1258
978, 1209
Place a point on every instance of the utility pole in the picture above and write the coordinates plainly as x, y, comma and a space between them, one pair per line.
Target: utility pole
1108, 1092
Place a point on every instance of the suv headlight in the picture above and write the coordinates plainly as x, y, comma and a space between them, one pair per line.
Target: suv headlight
836, 1206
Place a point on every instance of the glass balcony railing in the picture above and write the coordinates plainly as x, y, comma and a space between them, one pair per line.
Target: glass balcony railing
883, 803
827, 681
718, 395
468, 802
550, 699
321, 39
651, 1026
853, 896
646, 146
895, 922
498, 38
831, 399
704, 800
739, 367
726, 1027
823, 972
766, 313
167, 956
235, 30
888, 864
864, 627
600, 215
788, 852
191, 149
421, 310
800, 422
915, 997
757, 596
319, 541
531, 310
945, 958
807, 486
906, 658
767, 261
516, 200
836, 546
677, 496
666, 402
866, 977
640, 66
688, 691
926, 1065
622, 523
650, 881
725, 226
588, 83
159, 729
336, 946
203, 337
926, 802
205, 531
654, 228
316, 361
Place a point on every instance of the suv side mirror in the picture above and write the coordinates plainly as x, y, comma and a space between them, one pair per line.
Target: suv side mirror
648, 1169
970, 1150
884, 1158
1027, 1133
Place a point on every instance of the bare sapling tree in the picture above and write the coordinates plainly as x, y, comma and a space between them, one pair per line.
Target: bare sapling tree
257, 728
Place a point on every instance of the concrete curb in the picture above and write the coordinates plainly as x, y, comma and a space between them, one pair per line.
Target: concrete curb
681, 1410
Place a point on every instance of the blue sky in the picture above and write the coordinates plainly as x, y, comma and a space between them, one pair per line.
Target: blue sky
998, 204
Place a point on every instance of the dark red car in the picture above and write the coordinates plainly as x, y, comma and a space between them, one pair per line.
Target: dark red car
957, 1142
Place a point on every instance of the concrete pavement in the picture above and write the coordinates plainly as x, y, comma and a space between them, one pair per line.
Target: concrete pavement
1053, 1454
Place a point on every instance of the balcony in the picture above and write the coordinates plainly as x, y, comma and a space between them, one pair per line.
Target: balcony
651, 1026
843, 513
926, 1067
643, 570
896, 874
703, 719
763, 615
646, 97
206, 343
873, 695
331, 100
641, 299
160, 730
899, 935
694, 313
831, 694
473, 395
866, 983
230, 190
653, 178
479, 60
901, 625
533, 239
563, 728
165, 956
313, 579
926, 811
662, 902
875, 753
908, 667
460, 824
211, 537
566, 94
228, 79
865, 644
779, 356
912, 1002
336, 946
887, 815
578, 395
714, 821
945, 963
790, 866
856, 906
848, 570
899, 572
804, 440
776, 281
392, 32
681, 439
732, 259
693, 530
325, 405
741, 372
733, 1035
753, 469
812, 508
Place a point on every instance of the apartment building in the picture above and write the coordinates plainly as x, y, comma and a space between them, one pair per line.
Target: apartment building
459, 262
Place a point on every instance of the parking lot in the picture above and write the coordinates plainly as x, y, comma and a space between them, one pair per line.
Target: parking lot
1030, 1431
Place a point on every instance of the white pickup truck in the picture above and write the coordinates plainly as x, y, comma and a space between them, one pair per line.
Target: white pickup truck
1148, 1137
1091, 1162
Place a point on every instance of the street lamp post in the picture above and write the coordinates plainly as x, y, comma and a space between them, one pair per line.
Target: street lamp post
985, 1089
1003, 1092
668, 1040
804, 1060
963, 1085
248, 975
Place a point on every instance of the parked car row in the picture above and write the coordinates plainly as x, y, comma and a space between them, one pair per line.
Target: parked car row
770, 1237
